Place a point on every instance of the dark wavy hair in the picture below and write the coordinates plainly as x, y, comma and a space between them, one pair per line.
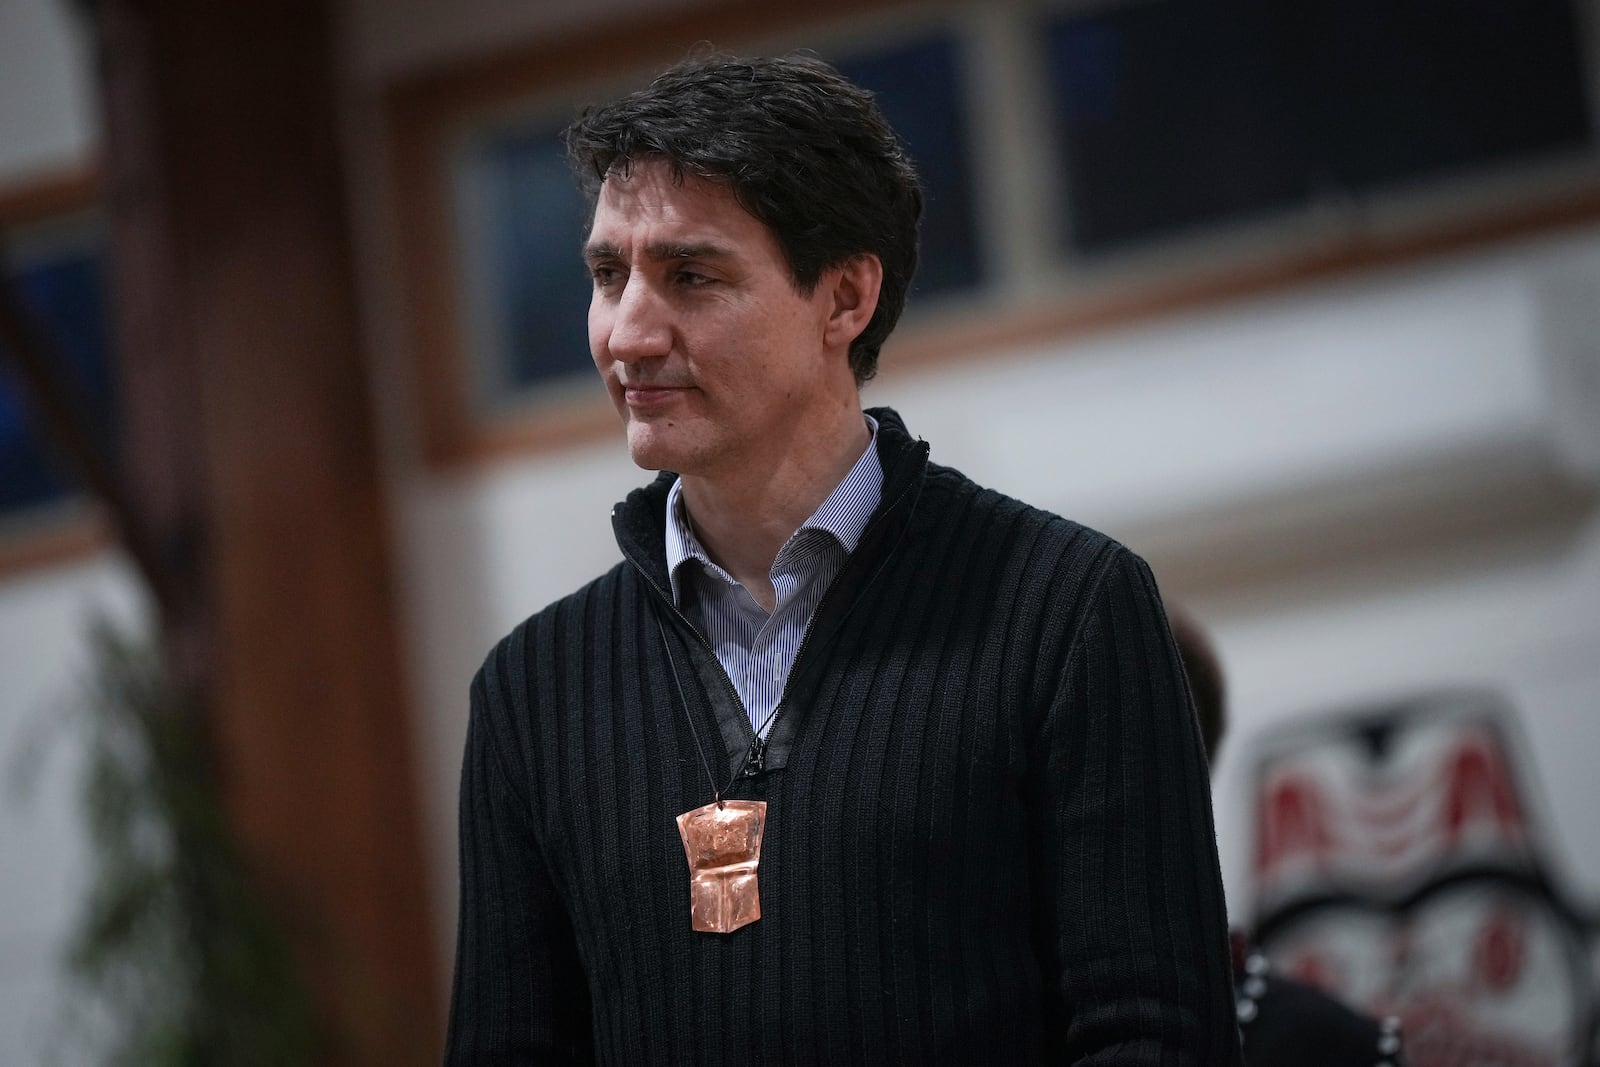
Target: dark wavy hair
804, 150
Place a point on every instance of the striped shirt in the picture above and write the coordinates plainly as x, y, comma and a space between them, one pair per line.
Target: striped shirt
755, 648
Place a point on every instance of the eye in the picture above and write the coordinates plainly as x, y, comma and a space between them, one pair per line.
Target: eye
604, 276
692, 278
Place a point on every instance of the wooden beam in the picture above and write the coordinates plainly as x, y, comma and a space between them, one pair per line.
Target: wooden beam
251, 443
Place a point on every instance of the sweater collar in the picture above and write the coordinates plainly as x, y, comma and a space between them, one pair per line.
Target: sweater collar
640, 520
842, 515
640, 524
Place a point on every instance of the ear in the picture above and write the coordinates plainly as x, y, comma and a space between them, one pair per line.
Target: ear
854, 289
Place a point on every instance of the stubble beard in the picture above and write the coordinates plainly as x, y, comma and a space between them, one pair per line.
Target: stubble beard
657, 444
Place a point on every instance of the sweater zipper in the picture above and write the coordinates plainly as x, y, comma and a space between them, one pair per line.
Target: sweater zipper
756, 757
684, 619
758, 750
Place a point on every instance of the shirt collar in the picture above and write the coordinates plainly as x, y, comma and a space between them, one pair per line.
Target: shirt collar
844, 514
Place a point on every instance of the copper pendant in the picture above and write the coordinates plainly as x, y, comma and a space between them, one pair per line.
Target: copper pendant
723, 843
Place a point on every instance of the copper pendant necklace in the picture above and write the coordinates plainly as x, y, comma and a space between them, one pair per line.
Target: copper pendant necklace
722, 839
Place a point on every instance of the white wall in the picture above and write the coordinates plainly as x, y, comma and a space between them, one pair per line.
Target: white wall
46, 102
46, 125
46, 666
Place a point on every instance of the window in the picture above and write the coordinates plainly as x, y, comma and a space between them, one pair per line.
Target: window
1176, 114
919, 89
58, 275
521, 220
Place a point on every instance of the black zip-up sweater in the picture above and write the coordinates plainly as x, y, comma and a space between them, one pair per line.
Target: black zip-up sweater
988, 838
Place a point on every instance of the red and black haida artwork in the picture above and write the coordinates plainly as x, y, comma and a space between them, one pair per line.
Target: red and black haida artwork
1398, 863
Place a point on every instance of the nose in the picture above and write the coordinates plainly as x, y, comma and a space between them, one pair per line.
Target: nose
635, 323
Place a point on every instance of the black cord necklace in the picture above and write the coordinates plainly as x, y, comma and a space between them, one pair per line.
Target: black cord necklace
757, 747
722, 839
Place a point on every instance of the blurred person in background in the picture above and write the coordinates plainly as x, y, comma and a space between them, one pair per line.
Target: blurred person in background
1284, 1022
849, 759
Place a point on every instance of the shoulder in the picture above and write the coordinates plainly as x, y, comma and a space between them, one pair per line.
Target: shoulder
1049, 577
978, 525
513, 707
1050, 547
558, 631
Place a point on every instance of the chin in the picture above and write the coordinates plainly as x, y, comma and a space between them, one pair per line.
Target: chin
653, 448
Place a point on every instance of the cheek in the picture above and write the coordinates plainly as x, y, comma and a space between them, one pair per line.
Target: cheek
599, 334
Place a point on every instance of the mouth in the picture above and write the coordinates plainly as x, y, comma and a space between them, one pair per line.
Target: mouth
651, 395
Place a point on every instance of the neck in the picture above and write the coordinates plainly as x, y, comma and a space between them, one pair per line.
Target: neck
744, 516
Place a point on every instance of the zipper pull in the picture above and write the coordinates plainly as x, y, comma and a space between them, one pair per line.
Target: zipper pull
757, 758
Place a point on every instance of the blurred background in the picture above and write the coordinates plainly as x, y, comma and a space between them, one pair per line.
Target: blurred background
297, 382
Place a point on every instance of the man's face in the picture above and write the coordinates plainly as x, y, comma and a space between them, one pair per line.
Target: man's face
710, 354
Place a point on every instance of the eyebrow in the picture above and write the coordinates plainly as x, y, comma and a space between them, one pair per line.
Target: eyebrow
660, 252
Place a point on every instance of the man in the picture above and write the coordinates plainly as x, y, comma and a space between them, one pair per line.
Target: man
849, 760
1283, 1022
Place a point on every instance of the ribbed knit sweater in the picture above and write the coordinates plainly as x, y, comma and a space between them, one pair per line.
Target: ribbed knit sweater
988, 838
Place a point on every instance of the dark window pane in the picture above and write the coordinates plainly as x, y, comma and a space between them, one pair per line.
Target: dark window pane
1167, 119
1397, 91
64, 290
918, 86
1180, 113
525, 220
